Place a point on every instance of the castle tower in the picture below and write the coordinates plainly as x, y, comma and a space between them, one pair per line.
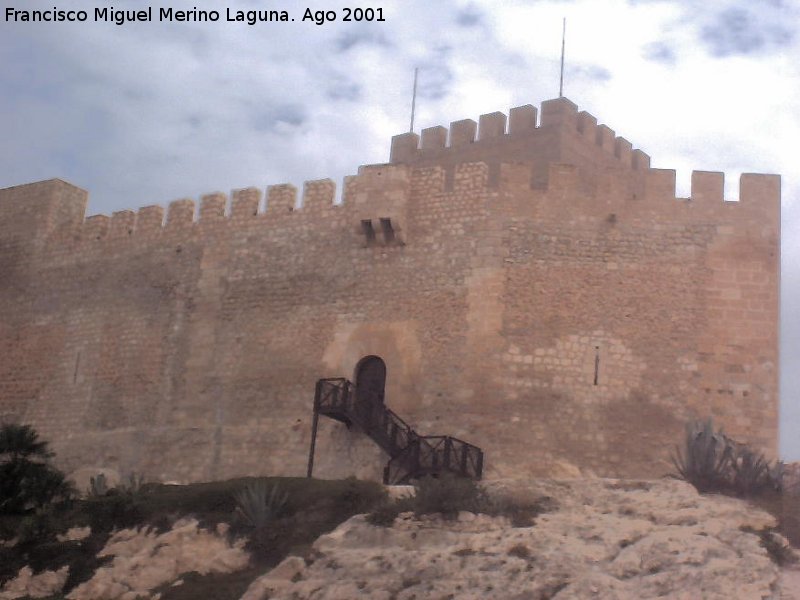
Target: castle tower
529, 283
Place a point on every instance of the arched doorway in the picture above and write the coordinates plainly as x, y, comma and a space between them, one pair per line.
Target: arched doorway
370, 379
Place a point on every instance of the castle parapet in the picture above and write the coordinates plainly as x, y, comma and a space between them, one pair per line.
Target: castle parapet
149, 221
318, 195
281, 199
123, 223
496, 138
756, 190
29, 213
180, 214
434, 138
462, 132
491, 126
244, 203
522, 120
559, 112
212, 207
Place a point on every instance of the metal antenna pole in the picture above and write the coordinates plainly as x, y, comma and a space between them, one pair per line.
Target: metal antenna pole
414, 100
563, 37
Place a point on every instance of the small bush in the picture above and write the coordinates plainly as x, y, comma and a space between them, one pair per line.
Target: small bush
520, 551
258, 504
713, 462
113, 511
751, 472
705, 459
521, 514
384, 515
778, 549
448, 495
357, 496
387, 511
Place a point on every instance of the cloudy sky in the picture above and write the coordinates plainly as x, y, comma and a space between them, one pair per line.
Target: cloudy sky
144, 113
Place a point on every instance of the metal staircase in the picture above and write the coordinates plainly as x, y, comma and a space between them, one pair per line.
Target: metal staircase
412, 456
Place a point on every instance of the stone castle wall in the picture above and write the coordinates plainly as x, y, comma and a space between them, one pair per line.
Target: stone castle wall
541, 293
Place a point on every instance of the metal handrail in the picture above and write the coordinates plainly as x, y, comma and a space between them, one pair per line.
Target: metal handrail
411, 455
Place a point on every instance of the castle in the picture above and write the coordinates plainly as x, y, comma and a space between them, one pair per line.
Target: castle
527, 283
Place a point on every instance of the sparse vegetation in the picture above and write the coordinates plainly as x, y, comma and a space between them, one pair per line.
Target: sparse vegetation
258, 505
98, 486
776, 545
448, 495
713, 462
313, 507
27, 479
520, 551
387, 511
704, 460
133, 485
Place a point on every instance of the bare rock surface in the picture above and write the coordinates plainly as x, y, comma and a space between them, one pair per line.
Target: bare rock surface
28, 585
605, 539
144, 560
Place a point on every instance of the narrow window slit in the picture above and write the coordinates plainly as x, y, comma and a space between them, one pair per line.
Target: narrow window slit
77, 365
388, 230
369, 232
596, 363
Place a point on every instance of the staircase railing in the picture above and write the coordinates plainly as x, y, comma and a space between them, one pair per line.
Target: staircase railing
411, 455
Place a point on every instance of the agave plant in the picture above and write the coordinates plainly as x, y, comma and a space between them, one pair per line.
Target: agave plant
258, 504
705, 460
98, 486
134, 484
750, 471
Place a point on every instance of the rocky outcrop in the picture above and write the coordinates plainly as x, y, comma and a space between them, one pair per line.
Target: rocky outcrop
605, 539
28, 585
143, 560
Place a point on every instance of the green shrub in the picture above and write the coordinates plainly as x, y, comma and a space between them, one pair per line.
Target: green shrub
713, 462
447, 495
258, 504
384, 514
705, 459
113, 511
27, 480
777, 547
751, 472
521, 514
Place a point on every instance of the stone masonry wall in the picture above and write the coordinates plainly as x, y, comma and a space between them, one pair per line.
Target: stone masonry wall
572, 312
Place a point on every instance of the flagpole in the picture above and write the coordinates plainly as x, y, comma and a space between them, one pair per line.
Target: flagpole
563, 37
414, 100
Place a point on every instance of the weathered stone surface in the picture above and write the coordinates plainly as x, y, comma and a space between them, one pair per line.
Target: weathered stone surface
143, 560
41, 585
607, 539
543, 295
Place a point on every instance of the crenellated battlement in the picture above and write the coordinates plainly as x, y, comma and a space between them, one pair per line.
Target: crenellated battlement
558, 156
384, 189
516, 137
